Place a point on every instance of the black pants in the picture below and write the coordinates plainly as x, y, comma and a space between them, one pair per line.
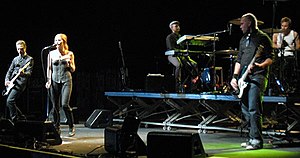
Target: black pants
60, 97
14, 111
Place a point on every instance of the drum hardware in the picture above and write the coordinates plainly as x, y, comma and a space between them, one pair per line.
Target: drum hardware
283, 73
208, 75
213, 56
238, 22
271, 30
295, 51
230, 57
229, 51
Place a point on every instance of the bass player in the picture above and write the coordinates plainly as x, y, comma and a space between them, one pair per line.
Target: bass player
19, 66
257, 78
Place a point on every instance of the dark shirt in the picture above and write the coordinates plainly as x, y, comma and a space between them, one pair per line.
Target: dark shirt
171, 41
248, 47
17, 63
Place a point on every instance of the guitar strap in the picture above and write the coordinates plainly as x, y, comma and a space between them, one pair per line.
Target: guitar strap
255, 43
23, 61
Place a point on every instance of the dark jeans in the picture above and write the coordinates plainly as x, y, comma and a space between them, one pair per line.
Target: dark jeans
11, 104
60, 97
252, 106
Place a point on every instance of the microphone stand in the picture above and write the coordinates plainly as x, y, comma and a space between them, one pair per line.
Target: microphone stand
47, 49
45, 77
215, 34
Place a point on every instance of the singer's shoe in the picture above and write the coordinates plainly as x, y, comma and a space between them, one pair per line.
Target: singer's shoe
71, 131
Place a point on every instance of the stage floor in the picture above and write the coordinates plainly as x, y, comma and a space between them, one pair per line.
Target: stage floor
90, 143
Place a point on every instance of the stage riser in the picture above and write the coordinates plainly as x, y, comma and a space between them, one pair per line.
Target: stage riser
16, 152
209, 111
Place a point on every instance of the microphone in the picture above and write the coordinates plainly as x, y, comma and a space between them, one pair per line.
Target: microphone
230, 29
120, 45
51, 46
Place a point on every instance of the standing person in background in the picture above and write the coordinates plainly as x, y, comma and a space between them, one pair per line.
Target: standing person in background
257, 78
60, 66
180, 61
287, 42
20, 69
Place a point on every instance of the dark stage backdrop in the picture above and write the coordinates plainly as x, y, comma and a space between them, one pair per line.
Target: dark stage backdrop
94, 29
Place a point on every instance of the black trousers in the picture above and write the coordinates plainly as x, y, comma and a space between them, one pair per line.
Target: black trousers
60, 97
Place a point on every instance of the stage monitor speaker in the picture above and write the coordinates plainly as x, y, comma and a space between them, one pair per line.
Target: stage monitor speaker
6, 126
174, 145
37, 131
124, 140
7, 132
99, 119
154, 83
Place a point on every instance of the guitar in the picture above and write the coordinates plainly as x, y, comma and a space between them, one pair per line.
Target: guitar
11, 83
123, 69
242, 84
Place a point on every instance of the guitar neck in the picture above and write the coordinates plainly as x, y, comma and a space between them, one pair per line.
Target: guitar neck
18, 74
245, 74
13, 79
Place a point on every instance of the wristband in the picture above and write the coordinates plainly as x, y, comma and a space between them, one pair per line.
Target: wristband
235, 76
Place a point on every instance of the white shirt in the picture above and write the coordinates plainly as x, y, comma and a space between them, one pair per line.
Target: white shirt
290, 41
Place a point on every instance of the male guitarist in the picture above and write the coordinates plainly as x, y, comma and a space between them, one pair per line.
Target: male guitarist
17, 67
258, 72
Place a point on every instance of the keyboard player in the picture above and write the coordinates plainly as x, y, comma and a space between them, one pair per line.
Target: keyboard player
180, 61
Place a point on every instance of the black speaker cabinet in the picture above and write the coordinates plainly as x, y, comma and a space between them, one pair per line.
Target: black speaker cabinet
43, 132
6, 126
99, 118
112, 139
174, 145
154, 83
122, 140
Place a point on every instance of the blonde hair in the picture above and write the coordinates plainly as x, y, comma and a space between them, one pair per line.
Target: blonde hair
251, 17
21, 42
288, 20
65, 40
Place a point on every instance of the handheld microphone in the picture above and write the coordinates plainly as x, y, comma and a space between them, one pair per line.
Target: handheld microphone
230, 29
51, 46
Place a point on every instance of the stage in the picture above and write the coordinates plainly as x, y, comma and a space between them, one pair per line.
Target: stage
90, 143
214, 118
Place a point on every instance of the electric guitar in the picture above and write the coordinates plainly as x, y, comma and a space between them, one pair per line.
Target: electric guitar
123, 69
242, 84
11, 83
